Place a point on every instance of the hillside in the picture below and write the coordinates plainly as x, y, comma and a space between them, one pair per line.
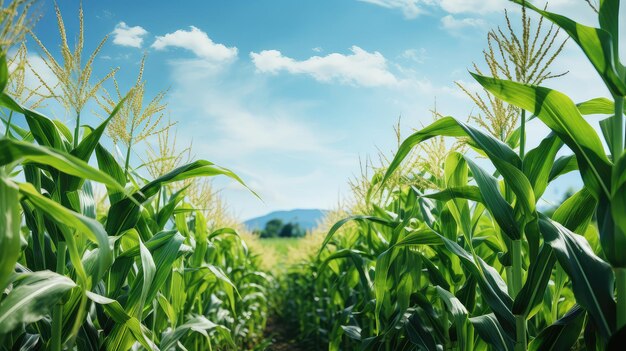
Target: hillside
306, 218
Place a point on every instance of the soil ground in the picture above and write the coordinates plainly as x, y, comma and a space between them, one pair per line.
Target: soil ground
282, 336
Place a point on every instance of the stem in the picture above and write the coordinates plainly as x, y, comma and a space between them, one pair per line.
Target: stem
618, 129
158, 203
130, 143
516, 284
57, 314
516, 253
520, 343
76, 129
620, 281
7, 133
522, 136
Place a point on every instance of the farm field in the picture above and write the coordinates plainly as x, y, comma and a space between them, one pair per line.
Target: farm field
504, 229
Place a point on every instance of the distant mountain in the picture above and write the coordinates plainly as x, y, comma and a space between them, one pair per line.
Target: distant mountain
307, 219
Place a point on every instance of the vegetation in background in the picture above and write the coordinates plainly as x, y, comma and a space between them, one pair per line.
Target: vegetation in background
275, 228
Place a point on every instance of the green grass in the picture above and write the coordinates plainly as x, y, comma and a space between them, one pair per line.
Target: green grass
280, 253
281, 245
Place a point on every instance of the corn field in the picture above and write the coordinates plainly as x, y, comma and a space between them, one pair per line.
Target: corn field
444, 248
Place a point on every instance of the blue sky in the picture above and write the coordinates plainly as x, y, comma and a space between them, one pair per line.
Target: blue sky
289, 94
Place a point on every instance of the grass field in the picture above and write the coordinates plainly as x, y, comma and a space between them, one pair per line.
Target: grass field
281, 245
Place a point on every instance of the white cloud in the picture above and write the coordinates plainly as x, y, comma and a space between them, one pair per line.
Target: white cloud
247, 127
128, 36
451, 23
415, 55
410, 8
197, 42
359, 68
473, 6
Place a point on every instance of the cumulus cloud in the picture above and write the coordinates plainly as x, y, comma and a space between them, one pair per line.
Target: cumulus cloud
410, 8
451, 23
125, 35
198, 42
358, 68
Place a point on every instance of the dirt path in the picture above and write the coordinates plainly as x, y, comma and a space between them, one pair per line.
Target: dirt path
282, 336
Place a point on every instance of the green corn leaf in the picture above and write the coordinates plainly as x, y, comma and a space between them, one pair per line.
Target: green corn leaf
62, 128
596, 106
339, 224
14, 151
21, 132
148, 269
563, 165
490, 330
592, 278
198, 324
506, 161
167, 211
139, 332
85, 149
43, 129
448, 126
539, 161
492, 287
352, 331
560, 114
342, 253
157, 241
469, 192
460, 315
529, 299
223, 232
108, 165
498, 152
467, 293
598, 44
4, 73
9, 230
576, 212
563, 334
419, 237
499, 208
163, 259
383, 262
31, 298
606, 126
419, 334
618, 203
124, 214
91, 228
435, 274
608, 16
